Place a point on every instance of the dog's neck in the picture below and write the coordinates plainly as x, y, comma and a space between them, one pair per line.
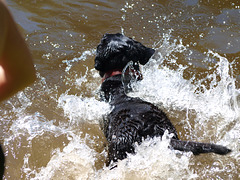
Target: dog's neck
113, 89
112, 84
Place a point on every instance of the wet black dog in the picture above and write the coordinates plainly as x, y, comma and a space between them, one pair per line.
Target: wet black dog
132, 119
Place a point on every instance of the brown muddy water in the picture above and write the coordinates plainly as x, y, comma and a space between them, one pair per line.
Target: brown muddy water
51, 129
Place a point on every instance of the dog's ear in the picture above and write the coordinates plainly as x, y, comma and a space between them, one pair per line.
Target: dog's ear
146, 55
140, 53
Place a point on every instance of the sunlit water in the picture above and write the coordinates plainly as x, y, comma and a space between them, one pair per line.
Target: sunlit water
51, 130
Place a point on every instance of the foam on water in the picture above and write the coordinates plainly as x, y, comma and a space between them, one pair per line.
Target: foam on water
76, 161
83, 57
169, 87
153, 160
82, 109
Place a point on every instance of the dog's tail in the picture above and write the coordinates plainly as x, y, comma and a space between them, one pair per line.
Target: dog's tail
198, 148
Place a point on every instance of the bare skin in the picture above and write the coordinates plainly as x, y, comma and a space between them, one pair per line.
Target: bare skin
16, 66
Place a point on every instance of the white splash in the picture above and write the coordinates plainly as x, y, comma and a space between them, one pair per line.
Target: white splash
83, 57
76, 161
79, 109
153, 160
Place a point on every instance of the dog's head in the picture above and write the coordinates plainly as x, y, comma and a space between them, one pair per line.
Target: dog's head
116, 50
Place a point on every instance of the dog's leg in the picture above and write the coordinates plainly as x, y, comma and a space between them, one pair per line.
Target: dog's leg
198, 148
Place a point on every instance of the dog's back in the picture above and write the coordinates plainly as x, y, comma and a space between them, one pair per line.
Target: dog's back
132, 120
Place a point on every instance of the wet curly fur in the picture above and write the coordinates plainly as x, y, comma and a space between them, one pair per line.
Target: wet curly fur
132, 119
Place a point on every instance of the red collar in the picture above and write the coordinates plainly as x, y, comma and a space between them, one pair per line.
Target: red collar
111, 73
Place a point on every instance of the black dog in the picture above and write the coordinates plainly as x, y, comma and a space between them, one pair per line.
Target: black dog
132, 119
